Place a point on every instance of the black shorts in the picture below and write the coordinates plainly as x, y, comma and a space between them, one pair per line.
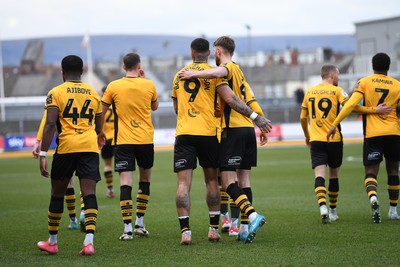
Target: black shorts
375, 148
84, 164
127, 155
189, 148
107, 152
324, 153
238, 149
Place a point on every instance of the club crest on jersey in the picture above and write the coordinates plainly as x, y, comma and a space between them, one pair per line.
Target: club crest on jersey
193, 113
135, 124
49, 99
382, 116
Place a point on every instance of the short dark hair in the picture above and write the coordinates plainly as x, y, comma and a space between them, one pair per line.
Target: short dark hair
381, 62
131, 60
72, 63
200, 45
226, 43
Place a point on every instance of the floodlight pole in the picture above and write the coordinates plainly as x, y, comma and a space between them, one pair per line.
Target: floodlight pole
249, 76
90, 63
86, 43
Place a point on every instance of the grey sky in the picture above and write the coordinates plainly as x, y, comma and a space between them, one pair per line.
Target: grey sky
45, 18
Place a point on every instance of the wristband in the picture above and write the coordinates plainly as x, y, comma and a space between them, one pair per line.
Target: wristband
42, 153
253, 116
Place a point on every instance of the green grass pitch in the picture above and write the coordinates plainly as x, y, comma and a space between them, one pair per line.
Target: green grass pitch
283, 192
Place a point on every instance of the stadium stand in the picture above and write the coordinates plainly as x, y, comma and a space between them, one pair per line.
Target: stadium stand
35, 84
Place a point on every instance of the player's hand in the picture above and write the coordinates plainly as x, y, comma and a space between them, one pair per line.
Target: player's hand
263, 123
308, 142
383, 109
331, 133
217, 111
263, 138
185, 74
43, 166
35, 150
101, 139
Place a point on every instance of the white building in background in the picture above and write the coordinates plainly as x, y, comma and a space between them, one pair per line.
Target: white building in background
372, 37
376, 36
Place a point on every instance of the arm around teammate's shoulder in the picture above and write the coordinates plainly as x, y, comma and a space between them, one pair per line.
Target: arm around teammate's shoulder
217, 72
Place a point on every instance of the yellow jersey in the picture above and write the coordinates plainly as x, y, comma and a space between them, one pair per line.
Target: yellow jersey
131, 99
108, 126
377, 89
322, 105
77, 104
237, 82
197, 101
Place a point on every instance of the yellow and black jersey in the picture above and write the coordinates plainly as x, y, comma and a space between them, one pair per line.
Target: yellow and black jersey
237, 82
131, 99
108, 126
322, 104
78, 104
377, 89
197, 102
251, 101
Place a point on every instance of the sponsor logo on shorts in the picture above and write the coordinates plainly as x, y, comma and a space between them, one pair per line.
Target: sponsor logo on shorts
234, 161
374, 156
121, 164
180, 163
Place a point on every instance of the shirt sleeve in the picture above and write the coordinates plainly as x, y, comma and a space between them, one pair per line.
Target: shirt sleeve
304, 122
154, 98
106, 98
348, 107
41, 127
